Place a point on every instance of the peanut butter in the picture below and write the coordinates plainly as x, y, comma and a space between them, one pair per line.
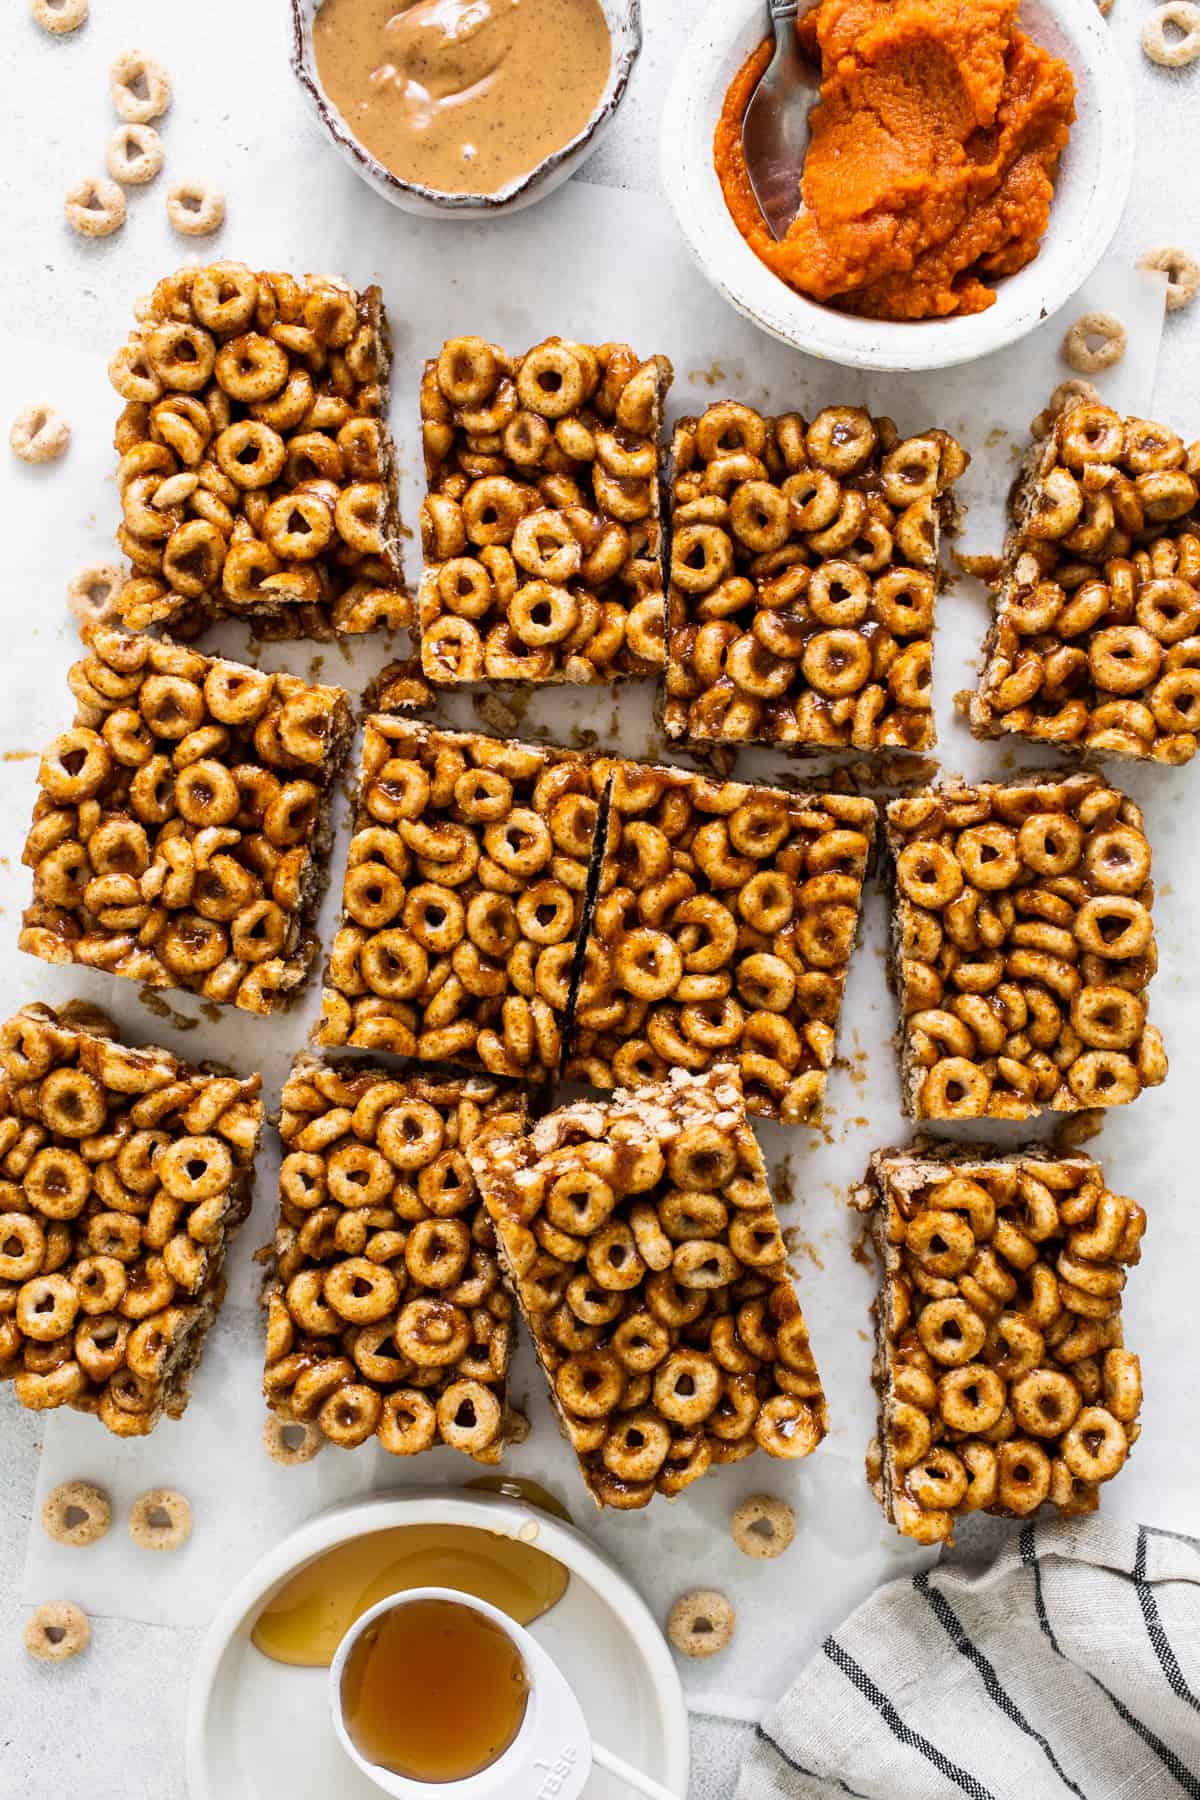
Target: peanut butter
465, 96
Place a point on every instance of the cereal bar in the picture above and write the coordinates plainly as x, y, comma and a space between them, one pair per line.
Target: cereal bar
1023, 947
1002, 1378
804, 568
181, 834
724, 922
386, 1315
256, 469
1095, 644
542, 524
642, 1242
123, 1174
463, 901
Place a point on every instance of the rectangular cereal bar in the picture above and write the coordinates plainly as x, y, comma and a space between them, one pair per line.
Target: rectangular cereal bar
542, 524
386, 1315
256, 470
181, 831
1002, 1378
641, 1240
1023, 948
1095, 643
724, 922
804, 570
123, 1174
464, 899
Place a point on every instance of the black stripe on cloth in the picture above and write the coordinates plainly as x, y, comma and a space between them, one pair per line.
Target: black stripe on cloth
1164, 1753
1154, 1627
764, 1737
948, 1619
858, 1677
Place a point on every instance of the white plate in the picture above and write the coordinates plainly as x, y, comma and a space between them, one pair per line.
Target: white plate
257, 1729
1089, 196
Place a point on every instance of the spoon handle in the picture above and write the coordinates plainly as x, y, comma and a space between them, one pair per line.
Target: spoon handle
779, 11
634, 1778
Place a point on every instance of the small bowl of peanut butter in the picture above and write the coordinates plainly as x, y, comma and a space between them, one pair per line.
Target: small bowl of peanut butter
465, 106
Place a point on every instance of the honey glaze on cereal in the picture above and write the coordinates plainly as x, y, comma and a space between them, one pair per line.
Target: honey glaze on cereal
434, 1691
463, 96
306, 1620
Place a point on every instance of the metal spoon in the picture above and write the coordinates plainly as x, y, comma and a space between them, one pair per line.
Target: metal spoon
775, 126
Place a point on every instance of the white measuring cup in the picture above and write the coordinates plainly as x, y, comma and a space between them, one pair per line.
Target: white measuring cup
553, 1752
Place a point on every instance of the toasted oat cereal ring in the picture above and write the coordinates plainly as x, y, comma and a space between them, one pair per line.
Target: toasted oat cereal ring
95, 207
134, 155
1078, 348
160, 1520
1182, 271
194, 209
1096, 1445
763, 1526
39, 434
408, 1423
77, 1513
92, 593
58, 17
701, 1623
551, 381
140, 87
292, 1441
57, 1631
469, 1417
1173, 52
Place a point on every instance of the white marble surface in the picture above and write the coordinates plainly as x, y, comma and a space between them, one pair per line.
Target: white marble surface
110, 1724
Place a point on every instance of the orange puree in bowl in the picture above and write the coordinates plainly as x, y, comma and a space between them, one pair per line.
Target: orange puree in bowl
931, 164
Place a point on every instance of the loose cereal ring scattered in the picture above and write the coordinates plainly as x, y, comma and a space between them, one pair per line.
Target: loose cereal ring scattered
77, 1513
141, 87
59, 16
195, 209
1095, 341
57, 1631
291, 1442
39, 434
95, 208
1180, 19
701, 1623
763, 1526
1182, 271
160, 1520
92, 594
134, 155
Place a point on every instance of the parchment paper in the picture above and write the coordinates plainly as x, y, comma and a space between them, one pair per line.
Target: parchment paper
595, 264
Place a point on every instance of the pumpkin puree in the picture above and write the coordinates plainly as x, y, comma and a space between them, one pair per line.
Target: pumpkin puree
930, 167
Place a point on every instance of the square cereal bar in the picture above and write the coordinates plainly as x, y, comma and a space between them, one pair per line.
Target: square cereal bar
542, 525
804, 568
642, 1242
724, 922
464, 899
386, 1315
181, 831
256, 469
999, 1364
1095, 643
1022, 948
123, 1174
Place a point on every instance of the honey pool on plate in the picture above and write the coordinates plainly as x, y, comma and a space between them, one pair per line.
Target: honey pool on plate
405, 1683
304, 1622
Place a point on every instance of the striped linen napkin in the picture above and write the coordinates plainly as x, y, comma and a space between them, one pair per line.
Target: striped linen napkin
1031, 1663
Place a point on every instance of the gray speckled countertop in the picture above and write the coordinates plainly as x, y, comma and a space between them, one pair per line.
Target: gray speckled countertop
110, 1725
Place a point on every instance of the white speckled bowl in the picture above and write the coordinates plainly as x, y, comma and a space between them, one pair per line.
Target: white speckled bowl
624, 19
1090, 194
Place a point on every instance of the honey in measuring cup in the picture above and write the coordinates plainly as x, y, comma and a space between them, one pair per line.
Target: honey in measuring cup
434, 1691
